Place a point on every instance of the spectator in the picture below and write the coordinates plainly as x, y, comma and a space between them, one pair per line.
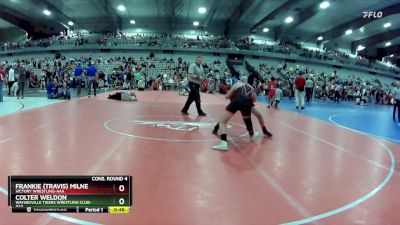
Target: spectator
129, 77
21, 81
14, 89
33, 82
125, 85
138, 77
141, 85
309, 89
92, 78
10, 79
396, 97
2, 80
43, 80
337, 90
278, 96
78, 78
300, 82
155, 85
52, 89
271, 91
65, 92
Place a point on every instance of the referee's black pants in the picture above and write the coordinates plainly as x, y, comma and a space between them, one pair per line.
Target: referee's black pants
396, 105
308, 94
194, 95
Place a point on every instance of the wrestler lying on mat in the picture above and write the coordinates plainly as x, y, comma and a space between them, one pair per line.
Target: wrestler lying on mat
123, 96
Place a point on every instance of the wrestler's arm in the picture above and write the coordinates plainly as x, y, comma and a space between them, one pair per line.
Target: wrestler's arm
230, 92
254, 98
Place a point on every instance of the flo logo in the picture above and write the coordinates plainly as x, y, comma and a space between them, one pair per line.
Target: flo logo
373, 15
175, 125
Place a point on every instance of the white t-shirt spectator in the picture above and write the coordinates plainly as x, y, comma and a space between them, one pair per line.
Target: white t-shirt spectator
141, 84
396, 93
309, 83
11, 75
278, 94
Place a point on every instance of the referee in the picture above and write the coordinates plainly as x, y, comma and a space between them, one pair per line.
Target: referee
195, 76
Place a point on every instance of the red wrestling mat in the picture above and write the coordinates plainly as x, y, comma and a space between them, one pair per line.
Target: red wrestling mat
310, 168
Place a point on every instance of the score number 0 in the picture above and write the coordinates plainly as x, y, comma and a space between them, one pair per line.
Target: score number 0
121, 188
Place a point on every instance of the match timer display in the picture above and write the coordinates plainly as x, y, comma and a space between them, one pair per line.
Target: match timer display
76, 194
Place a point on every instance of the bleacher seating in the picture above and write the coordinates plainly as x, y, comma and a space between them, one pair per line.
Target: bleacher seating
205, 41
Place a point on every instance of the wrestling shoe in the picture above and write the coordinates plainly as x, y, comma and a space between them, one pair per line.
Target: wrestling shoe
184, 113
267, 133
255, 136
223, 146
202, 114
215, 132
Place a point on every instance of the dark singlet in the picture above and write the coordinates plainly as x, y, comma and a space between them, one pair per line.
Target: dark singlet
243, 95
116, 96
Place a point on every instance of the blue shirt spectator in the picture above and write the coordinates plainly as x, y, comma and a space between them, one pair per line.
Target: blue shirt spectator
91, 71
78, 71
52, 90
234, 80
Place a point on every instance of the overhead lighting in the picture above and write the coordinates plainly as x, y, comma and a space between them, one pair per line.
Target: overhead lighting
289, 19
391, 55
265, 30
320, 38
388, 43
362, 29
46, 12
348, 32
202, 10
70, 23
121, 8
195, 23
360, 48
386, 25
132, 21
324, 5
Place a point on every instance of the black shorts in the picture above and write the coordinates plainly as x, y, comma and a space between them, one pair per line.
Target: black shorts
245, 109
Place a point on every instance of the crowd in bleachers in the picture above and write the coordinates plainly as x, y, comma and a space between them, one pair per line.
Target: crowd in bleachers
163, 73
205, 40
78, 39
57, 76
151, 72
325, 86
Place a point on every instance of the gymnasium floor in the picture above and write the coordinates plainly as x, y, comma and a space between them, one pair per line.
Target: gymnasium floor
311, 172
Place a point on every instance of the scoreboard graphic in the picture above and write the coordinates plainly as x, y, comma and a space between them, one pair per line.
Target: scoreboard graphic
70, 194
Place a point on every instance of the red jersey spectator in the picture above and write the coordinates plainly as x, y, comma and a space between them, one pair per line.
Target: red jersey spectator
2, 81
271, 90
299, 84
